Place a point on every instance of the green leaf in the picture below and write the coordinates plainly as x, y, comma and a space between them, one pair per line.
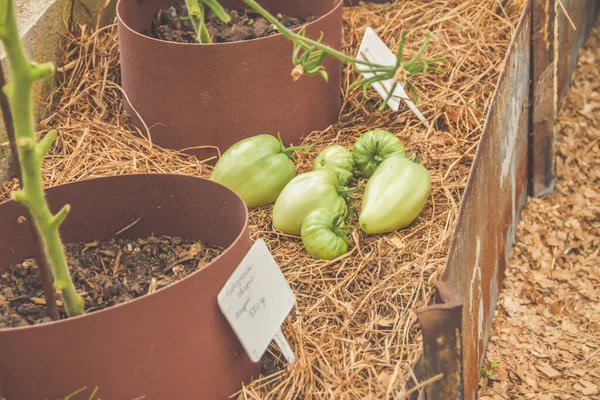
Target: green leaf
324, 74
388, 97
421, 50
196, 15
413, 90
218, 10
400, 52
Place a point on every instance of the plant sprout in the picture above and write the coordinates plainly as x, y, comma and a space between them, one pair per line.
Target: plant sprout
31, 152
309, 54
196, 10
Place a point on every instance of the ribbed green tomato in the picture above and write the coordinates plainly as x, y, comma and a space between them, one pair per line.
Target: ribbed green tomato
395, 195
372, 148
304, 194
325, 235
257, 169
338, 159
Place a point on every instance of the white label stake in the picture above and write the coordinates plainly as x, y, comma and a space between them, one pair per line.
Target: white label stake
284, 347
256, 300
374, 50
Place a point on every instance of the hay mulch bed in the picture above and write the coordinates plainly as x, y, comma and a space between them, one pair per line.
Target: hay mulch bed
354, 329
546, 335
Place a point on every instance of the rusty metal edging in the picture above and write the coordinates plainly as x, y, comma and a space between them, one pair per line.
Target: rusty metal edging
536, 73
456, 331
555, 47
441, 326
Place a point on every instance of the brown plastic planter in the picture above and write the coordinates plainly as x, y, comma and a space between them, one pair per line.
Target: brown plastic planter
192, 95
172, 344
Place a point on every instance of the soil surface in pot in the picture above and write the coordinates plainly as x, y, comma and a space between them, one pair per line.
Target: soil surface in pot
173, 25
105, 273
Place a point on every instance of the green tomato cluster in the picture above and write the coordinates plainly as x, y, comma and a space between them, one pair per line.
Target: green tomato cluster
314, 204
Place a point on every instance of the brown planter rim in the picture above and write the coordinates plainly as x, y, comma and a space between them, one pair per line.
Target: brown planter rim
337, 3
174, 341
207, 268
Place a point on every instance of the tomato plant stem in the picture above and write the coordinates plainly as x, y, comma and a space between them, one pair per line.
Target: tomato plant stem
303, 39
31, 152
315, 52
43, 267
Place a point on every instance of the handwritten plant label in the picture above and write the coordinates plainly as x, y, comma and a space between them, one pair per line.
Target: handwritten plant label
256, 300
374, 50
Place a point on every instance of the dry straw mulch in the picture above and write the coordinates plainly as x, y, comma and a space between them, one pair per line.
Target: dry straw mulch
354, 329
546, 335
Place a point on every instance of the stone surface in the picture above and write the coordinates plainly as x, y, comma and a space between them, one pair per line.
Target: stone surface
40, 23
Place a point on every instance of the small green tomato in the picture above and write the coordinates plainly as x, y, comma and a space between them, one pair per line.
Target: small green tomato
338, 159
325, 235
373, 147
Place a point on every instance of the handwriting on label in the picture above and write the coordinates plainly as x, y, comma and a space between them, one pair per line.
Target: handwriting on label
251, 307
241, 283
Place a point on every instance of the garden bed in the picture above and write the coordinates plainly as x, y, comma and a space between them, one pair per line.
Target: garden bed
354, 329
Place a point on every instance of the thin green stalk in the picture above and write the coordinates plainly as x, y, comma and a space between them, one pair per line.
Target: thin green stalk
307, 41
309, 54
388, 97
375, 70
197, 16
19, 92
314, 52
289, 151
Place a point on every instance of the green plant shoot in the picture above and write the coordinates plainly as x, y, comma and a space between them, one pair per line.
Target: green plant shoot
309, 55
24, 74
196, 10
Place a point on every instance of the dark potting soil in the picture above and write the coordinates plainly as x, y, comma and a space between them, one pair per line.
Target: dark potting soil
174, 25
272, 364
105, 273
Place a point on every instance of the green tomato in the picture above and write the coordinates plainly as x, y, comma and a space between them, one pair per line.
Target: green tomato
325, 235
257, 169
372, 148
338, 159
304, 194
395, 195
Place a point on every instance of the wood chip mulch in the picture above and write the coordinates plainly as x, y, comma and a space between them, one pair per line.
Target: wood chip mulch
546, 338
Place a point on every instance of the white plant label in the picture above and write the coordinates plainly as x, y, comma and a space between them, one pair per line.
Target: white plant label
256, 300
374, 50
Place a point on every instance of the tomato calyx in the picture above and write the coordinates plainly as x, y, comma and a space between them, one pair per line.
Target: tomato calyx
340, 229
289, 151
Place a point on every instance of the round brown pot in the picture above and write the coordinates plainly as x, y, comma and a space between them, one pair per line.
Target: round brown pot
192, 95
172, 344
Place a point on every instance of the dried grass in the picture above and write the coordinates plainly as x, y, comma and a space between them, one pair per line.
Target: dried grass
546, 335
354, 328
